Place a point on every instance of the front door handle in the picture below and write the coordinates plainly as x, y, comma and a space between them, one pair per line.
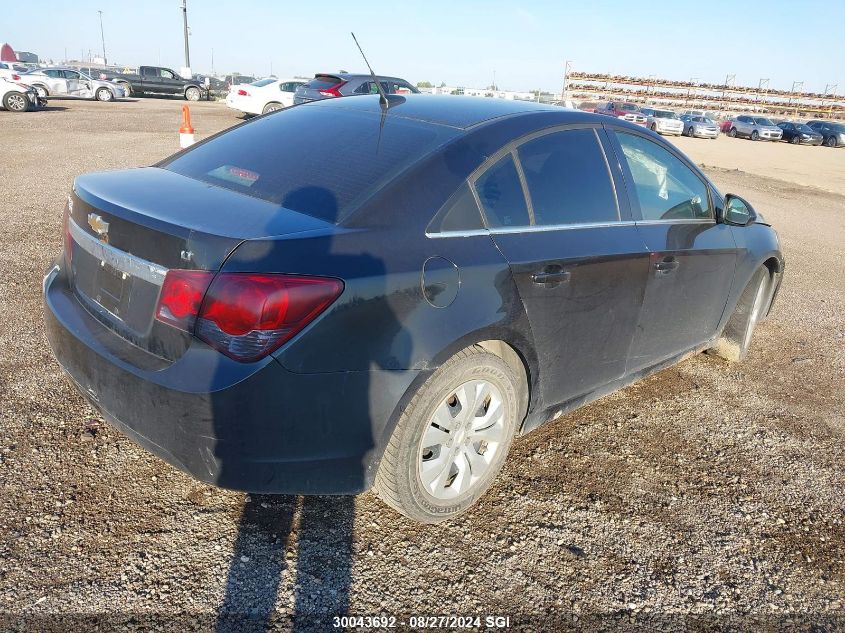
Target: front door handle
551, 277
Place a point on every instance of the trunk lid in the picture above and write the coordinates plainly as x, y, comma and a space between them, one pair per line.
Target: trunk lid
126, 229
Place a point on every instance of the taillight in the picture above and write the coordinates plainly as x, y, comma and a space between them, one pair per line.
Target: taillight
244, 315
334, 91
243, 93
181, 297
16, 77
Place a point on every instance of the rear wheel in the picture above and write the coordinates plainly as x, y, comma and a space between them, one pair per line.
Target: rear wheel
272, 107
653, 127
830, 141
192, 94
452, 438
795, 140
16, 102
42, 91
104, 94
736, 337
732, 132
754, 135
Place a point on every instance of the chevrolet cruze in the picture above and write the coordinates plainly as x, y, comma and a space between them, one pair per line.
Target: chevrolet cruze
349, 295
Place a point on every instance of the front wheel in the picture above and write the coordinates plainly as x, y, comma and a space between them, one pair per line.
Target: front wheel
104, 94
736, 337
452, 438
127, 89
732, 132
653, 127
830, 141
16, 102
42, 92
795, 140
192, 94
754, 135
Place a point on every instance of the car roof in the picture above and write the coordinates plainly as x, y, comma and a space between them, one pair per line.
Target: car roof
349, 76
451, 110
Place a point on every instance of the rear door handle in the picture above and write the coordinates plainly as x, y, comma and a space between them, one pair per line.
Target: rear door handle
666, 265
551, 277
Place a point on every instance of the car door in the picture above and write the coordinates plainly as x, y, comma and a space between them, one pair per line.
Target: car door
56, 82
578, 262
287, 89
691, 257
170, 82
73, 82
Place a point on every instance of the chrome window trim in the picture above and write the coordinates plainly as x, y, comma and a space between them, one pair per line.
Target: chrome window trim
532, 221
565, 227
467, 233
116, 258
677, 221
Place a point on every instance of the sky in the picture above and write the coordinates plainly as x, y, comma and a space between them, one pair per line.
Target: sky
459, 42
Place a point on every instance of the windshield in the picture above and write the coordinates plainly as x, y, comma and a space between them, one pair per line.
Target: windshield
262, 82
762, 121
665, 114
803, 128
322, 161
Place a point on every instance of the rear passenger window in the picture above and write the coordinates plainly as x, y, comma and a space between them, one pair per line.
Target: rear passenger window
568, 179
501, 196
460, 213
666, 188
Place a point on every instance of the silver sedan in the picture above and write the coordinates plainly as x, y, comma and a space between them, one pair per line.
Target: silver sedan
700, 126
69, 82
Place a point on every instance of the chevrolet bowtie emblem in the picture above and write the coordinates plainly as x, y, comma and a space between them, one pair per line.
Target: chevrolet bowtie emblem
100, 226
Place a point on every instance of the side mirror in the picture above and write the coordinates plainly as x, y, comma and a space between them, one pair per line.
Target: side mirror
737, 211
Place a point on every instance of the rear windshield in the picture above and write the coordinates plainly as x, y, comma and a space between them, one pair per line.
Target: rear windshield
262, 82
323, 81
318, 160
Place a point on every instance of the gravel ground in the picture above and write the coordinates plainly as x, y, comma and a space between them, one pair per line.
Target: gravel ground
709, 496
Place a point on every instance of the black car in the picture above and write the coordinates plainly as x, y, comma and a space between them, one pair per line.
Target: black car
796, 133
339, 295
330, 85
832, 132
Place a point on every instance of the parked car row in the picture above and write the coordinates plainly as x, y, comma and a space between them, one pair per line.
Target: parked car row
265, 95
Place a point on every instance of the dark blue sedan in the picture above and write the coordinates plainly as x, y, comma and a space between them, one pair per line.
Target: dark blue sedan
343, 295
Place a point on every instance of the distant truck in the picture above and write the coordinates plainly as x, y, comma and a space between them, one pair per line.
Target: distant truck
622, 110
155, 80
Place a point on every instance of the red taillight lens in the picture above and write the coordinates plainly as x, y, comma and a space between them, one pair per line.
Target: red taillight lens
16, 77
243, 93
334, 91
244, 315
181, 297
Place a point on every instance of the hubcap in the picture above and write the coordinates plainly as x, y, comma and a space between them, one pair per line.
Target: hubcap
17, 102
462, 439
755, 311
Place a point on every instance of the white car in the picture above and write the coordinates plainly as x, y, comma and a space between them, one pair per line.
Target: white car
263, 96
10, 71
665, 122
15, 97
69, 82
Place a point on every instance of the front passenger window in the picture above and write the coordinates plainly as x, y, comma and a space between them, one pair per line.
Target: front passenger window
666, 188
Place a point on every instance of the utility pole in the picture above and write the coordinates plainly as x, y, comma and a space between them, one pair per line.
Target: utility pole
103, 38
730, 79
187, 51
212, 62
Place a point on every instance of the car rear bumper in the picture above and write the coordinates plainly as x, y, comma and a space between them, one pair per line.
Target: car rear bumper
254, 427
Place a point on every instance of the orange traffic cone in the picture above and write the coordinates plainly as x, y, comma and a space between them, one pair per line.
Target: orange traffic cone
186, 132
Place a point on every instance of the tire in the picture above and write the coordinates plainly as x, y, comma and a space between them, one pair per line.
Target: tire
193, 94
16, 102
104, 94
42, 91
127, 89
830, 141
794, 140
653, 127
690, 132
736, 337
272, 107
754, 135
732, 132
416, 440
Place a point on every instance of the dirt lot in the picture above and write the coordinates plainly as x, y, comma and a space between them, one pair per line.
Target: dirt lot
709, 495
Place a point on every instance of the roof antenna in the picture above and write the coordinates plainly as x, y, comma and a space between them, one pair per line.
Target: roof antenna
382, 97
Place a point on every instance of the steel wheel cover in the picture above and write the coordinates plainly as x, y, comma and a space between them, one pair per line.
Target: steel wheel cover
461, 440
